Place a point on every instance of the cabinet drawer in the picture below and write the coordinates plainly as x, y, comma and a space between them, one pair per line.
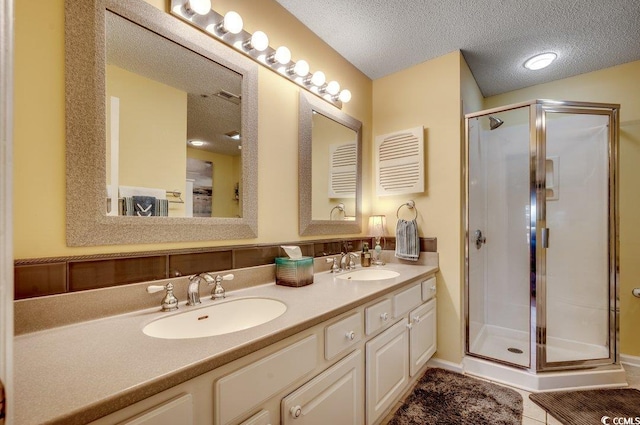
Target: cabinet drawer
333, 397
378, 316
176, 411
407, 300
342, 335
428, 288
246, 388
261, 418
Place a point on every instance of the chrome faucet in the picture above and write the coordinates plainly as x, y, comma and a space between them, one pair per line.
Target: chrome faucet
346, 261
193, 290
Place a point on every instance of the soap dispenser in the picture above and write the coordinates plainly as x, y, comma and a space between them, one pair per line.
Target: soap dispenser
365, 256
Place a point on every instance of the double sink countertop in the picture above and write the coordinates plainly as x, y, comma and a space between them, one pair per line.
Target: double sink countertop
78, 373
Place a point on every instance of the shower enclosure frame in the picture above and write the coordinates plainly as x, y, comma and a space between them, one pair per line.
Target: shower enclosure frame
539, 232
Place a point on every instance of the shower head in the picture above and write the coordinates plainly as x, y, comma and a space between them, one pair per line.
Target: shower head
494, 122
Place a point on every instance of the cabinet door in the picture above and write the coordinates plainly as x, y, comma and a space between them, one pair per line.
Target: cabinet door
387, 364
333, 397
422, 335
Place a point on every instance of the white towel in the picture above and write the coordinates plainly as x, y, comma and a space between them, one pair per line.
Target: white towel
129, 191
407, 240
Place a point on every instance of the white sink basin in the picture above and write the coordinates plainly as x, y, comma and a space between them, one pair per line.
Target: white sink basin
216, 319
369, 274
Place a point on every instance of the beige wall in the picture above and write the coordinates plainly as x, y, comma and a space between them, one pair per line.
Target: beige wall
152, 133
39, 147
428, 95
225, 176
618, 84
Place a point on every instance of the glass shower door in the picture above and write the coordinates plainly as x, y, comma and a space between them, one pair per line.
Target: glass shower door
578, 288
498, 250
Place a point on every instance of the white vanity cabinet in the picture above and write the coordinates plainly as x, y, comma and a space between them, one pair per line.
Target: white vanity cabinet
400, 352
348, 370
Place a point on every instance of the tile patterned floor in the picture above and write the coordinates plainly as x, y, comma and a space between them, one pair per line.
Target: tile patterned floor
535, 415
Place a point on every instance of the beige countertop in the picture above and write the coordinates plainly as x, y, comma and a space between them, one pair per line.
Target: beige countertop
77, 373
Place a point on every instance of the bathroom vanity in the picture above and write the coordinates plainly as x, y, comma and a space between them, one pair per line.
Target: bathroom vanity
343, 352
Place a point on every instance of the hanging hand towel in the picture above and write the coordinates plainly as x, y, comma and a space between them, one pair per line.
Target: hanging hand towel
407, 240
162, 208
144, 206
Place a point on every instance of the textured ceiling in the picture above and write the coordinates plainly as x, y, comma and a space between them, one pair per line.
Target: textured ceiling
495, 36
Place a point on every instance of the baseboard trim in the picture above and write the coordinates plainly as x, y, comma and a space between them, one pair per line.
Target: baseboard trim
630, 360
445, 364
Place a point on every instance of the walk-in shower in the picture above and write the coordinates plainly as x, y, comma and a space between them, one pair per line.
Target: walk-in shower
541, 245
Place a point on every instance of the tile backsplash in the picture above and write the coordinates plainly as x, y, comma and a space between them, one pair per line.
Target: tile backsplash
49, 276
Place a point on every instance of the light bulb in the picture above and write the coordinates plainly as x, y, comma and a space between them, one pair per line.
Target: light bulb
333, 88
232, 22
301, 68
344, 96
258, 41
540, 61
201, 7
282, 55
318, 78
197, 143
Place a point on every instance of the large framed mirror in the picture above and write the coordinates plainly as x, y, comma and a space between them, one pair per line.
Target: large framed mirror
161, 129
330, 169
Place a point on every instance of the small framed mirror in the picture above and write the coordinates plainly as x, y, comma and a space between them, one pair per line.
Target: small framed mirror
157, 112
330, 169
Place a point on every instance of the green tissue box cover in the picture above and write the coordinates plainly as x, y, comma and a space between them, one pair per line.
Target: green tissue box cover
297, 272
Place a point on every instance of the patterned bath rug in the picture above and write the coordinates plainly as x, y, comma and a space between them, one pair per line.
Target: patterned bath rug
442, 397
614, 406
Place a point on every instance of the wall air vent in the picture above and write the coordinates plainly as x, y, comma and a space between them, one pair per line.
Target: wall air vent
399, 162
233, 98
342, 174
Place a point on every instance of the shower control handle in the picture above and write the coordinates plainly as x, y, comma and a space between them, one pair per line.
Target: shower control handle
479, 239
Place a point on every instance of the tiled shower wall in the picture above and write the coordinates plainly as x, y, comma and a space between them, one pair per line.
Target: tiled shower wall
49, 276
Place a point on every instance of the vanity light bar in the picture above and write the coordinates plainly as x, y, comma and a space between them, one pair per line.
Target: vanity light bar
228, 29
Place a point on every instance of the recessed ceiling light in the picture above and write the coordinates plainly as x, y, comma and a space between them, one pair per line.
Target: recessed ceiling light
196, 143
233, 134
540, 61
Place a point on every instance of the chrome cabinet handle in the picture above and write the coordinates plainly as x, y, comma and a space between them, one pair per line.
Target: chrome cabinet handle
351, 335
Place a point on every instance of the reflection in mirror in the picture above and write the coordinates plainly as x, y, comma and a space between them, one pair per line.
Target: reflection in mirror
333, 170
173, 127
330, 169
120, 139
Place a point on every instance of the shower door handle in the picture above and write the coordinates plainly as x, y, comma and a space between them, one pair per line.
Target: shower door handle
479, 239
544, 236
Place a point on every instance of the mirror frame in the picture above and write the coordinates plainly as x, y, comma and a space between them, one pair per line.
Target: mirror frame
309, 103
85, 62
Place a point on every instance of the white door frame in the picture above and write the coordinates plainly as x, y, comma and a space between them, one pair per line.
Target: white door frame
6, 204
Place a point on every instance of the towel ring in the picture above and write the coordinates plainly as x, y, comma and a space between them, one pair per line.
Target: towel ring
411, 205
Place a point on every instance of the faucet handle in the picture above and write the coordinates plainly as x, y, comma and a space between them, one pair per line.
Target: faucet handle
169, 302
218, 291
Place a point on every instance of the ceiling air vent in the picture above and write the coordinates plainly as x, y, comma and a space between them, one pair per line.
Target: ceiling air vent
342, 173
399, 162
233, 98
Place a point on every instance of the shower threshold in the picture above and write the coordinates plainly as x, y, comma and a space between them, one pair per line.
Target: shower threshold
611, 377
